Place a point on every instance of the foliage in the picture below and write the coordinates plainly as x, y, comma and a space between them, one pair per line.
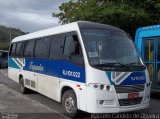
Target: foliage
125, 14
5, 36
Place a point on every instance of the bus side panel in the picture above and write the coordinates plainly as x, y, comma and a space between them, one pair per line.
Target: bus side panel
63, 71
12, 74
13, 69
52, 88
66, 70
30, 80
49, 73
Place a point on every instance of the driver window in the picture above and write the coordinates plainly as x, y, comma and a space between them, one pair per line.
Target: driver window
72, 46
72, 49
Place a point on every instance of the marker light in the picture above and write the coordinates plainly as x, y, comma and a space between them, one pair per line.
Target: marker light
100, 86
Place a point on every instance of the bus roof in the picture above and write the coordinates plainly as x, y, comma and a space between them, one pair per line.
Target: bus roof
153, 27
63, 29
148, 31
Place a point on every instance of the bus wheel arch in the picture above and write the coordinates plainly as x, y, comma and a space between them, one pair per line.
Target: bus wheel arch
69, 99
20, 77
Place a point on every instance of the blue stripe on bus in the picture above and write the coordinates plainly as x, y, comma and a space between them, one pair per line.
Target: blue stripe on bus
57, 68
70, 71
135, 78
13, 64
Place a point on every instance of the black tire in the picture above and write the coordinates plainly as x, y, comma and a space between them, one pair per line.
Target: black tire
24, 90
69, 109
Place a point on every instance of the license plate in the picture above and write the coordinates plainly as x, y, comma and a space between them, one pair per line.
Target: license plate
133, 95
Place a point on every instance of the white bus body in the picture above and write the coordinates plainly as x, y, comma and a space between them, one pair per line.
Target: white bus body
96, 64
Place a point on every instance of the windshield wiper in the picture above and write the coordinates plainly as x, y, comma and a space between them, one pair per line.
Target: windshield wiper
134, 63
111, 64
117, 63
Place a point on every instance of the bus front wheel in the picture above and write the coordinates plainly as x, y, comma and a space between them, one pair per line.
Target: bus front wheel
24, 90
69, 103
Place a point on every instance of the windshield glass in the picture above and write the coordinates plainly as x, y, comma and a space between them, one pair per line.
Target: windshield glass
3, 55
105, 46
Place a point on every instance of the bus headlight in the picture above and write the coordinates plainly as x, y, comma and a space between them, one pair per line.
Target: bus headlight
100, 86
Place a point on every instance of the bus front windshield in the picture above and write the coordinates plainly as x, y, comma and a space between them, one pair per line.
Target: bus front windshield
105, 46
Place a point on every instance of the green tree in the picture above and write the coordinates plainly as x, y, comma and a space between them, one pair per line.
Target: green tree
125, 14
5, 36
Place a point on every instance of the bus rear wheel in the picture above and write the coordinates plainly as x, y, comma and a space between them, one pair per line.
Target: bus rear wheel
24, 90
69, 103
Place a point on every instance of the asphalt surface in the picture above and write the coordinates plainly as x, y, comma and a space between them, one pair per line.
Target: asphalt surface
32, 105
35, 105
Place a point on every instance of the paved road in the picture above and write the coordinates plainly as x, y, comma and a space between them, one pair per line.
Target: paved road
32, 105
39, 104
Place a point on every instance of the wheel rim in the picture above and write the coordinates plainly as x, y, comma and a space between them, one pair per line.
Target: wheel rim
69, 105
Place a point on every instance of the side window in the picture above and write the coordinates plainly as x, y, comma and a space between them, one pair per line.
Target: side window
67, 44
29, 48
71, 46
56, 47
20, 49
13, 49
42, 48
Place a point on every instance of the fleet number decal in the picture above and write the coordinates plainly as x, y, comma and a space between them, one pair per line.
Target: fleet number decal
71, 73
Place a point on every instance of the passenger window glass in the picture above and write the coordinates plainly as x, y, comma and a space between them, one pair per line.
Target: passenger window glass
20, 49
42, 48
13, 49
29, 49
68, 41
56, 47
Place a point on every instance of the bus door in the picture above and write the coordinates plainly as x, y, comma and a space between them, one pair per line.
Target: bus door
54, 67
157, 63
149, 57
40, 64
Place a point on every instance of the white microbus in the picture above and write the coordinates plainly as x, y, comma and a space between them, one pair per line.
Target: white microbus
83, 65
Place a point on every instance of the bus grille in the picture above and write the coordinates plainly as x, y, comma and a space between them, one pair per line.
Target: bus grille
129, 88
129, 102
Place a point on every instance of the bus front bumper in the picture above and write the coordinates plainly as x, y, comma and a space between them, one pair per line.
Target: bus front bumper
99, 101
